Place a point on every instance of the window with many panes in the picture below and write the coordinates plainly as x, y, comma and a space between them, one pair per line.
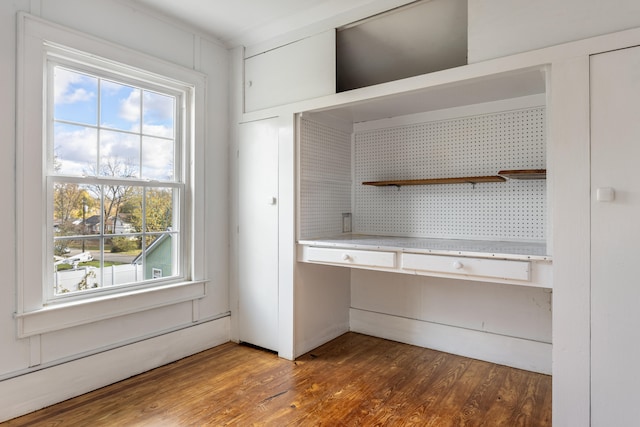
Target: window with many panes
115, 179
110, 155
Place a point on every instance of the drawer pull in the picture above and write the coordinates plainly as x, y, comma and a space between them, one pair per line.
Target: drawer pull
346, 257
457, 265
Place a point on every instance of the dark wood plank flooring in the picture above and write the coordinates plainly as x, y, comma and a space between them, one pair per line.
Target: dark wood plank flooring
354, 380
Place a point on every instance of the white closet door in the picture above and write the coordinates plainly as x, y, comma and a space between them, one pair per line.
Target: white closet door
258, 234
615, 238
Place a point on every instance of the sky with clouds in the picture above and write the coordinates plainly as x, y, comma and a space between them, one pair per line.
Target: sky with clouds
100, 123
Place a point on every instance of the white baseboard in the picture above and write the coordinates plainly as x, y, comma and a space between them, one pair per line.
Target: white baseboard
36, 390
519, 353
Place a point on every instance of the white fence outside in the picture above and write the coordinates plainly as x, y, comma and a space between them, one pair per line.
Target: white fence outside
90, 277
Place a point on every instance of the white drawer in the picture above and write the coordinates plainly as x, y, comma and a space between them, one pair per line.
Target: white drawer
498, 268
350, 257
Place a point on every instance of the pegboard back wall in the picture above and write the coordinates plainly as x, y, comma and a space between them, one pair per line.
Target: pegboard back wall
467, 146
325, 179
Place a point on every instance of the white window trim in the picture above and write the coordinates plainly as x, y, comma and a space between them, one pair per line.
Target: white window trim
32, 316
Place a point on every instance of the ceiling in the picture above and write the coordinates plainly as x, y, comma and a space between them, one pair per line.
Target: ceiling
246, 22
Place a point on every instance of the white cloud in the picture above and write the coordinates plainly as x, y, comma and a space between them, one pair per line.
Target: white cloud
158, 108
78, 95
157, 158
70, 87
75, 149
158, 130
130, 107
118, 144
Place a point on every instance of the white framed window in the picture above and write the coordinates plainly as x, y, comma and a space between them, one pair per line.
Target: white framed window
109, 180
114, 176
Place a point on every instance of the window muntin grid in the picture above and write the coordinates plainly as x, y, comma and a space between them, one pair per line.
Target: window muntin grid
114, 159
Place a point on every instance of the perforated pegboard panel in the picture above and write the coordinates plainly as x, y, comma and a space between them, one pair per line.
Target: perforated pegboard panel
325, 180
468, 146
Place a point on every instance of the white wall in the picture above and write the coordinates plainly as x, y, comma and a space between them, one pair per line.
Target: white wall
487, 321
15, 353
322, 300
118, 22
504, 27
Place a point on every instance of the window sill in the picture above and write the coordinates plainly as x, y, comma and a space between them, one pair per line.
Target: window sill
62, 316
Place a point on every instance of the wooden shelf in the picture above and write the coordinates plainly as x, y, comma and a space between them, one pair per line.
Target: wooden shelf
501, 177
432, 181
524, 174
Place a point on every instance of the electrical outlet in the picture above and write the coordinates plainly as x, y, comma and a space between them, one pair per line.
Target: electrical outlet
346, 222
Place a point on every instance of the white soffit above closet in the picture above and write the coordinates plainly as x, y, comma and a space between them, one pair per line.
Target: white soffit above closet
476, 91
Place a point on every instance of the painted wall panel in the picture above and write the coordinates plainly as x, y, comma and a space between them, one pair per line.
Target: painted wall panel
569, 198
115, 21
322, 296
504, 27
506, 350
211, 58
67, 343
523, 312
14, 354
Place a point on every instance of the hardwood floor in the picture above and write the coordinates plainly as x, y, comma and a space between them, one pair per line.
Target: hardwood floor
354, 380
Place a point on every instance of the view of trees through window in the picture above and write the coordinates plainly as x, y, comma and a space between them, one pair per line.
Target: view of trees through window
113, 182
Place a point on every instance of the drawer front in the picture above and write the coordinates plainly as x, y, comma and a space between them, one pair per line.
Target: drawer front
503, 269
351, 257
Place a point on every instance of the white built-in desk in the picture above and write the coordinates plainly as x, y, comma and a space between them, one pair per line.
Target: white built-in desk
517, 263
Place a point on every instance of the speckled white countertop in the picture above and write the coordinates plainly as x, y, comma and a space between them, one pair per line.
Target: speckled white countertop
479, 248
